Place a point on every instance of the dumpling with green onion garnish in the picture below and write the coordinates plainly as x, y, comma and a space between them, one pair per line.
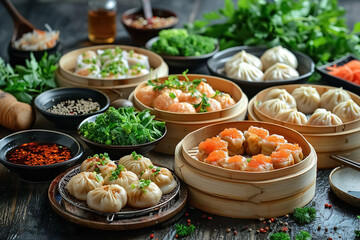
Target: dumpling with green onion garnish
143, 193
162, 177
135, 163
80, 184
100, 163
121, 176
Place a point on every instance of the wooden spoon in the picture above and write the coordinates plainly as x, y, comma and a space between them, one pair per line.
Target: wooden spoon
21, 24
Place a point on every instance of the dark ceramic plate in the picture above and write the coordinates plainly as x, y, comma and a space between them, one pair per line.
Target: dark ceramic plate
52, 97
181, 61
39, 173
216, 65
117, 151
339, 82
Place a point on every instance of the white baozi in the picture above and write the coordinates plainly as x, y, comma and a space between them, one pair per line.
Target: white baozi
333, 97
143, 193
292, 116
280, 71
135, 163
273, 107
243, 56
80, 184
278, 55
307, 99
100, 163
121, 177
110, 198
321, 117
347, 111
162, 177
283, 95
246, 72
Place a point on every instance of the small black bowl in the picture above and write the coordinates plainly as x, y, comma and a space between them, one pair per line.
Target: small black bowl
54, 96
336, 81
183, 62
18, 57
39, 173
216, 65
141, 36
117, 151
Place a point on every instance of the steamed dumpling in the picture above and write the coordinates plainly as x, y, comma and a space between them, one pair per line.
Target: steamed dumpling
273, 107
110, 198
280, 71
245, 71
143, 193
307, 99
333, 97
321, 117
278, 55
243, 56
80, 184
134, 58
292, 116
98, 163
162, 177
283, 95
121, 177
90, 70
347, 111
135, 163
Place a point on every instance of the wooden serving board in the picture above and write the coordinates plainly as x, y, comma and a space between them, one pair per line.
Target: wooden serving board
93, 220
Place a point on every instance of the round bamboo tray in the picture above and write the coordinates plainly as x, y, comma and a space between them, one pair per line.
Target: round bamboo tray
179, 125
246, 194
341, 140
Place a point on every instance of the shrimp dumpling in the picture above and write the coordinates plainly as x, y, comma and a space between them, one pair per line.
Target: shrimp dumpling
254, 137
192, 98
181, 107
225, 100
273, 107
321, 117
235, 140
243, 56
283, 95
246, 72
164, 101
162, 177
294, 149
278, 55
206, 89
80, 184
209, 145
216, 157
109, 198
347, 111
280, 71
236, 162
100, 163
260, 163
121, 177
134, 58
143, 193
333, 97
135, 163
307, 99
281, 159
214, 106
292, 116
88, 57
90, 70
146, 95
270, 143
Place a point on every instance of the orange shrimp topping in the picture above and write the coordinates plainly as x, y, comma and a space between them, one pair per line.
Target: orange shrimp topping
261, 132
281, 155
288, 146
210, 145
275, 138
231, 132
236, 158
258, 160
216, 155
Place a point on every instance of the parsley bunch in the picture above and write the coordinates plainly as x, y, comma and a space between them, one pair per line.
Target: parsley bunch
303, 235
279, 236
183, 231
304, 215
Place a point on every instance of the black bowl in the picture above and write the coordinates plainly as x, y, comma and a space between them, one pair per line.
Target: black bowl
39, 173
117, 151
183, 62
18, 57
216, 65
339, 82
141, 36
54, 96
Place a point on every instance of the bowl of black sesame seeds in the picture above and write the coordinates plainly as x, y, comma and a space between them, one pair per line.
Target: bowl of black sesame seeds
67, 107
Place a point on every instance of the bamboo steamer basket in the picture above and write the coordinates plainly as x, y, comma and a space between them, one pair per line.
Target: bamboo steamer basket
114, 88
179, 125
246, 194
330, 140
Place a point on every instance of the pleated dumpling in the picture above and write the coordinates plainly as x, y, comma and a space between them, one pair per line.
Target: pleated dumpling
135, 163
321, 117
121, 177
278, 55
80, 184
109, 198
99, 163
273, 107
292, 116
138, 59
283, 95
243, 56
307, 99
162, 177
347, 111
246, 72
333, 97
280, 71
143, 193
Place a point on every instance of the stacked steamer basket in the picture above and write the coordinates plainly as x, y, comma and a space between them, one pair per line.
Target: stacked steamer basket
114, 88
341, 140
243, 194
178, 125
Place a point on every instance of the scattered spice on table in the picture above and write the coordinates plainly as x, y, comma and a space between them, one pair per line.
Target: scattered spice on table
38, 154
75, 107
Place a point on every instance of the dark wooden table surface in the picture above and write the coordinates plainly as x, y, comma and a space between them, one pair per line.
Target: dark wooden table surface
24, 209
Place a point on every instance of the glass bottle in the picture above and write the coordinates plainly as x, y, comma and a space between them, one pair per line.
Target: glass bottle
102, 21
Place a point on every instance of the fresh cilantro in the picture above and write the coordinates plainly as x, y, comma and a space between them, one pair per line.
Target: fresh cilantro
204, 104
304, 215
279, 236
172, 95
303, 235
183, 231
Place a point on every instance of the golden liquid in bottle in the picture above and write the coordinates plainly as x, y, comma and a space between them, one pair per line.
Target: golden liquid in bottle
102, 26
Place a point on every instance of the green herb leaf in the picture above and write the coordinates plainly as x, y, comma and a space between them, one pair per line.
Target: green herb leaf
304, 215
303, 235
115, 174
280, 236
183, 231
136, 156
172, 95
98, 178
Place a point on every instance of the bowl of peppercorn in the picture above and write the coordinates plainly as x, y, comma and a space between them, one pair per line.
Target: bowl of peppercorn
67, 107
39, 155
